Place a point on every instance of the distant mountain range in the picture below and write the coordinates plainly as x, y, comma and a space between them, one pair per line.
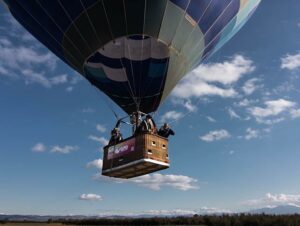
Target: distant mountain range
278, 210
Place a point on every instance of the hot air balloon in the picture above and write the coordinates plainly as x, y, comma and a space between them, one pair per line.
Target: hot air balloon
134, 51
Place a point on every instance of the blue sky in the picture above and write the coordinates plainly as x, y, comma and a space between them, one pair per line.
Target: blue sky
236, 120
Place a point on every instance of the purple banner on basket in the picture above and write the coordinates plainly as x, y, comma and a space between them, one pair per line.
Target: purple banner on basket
121, 149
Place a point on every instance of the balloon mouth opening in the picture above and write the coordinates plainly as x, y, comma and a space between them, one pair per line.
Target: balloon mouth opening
111, 60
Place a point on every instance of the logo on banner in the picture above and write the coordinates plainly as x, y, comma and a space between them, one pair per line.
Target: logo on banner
121, 149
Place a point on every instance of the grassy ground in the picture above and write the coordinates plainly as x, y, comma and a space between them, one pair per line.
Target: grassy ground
32, 224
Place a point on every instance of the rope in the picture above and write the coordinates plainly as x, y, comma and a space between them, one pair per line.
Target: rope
129, 85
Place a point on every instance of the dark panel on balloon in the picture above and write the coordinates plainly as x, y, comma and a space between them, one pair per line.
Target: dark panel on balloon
99, 21
155, 10
56, 12
40, 16
75, 8
182, 3
214, 33
197, 9
116, 17
74, 38
135, 16
87, 33
215, 9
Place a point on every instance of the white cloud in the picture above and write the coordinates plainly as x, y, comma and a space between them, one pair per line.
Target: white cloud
245, 102
250, 86
88, 110
39, 147
64, 150
227, 72
215, 135
189, 87
100, 128
186, 103
213, 210
275, 199
101, 140
60, 79
233, 114
69, 89
295, 113
156, 181
270, 121
189, 106
21, 57
231, 152
273, 108
5, 42
174, 212
34, 77
97, 163
4, 71
90, 197
290, 62
211, 119
183, 212
31, 77
251, 134
199, 82
76, 78
171, 115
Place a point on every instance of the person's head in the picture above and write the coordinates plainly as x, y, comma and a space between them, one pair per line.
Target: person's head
116, 130
148, 117
166, 125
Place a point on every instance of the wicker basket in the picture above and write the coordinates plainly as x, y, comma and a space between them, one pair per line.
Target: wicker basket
136, 156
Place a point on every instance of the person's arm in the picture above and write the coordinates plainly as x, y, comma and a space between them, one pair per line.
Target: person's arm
172, 132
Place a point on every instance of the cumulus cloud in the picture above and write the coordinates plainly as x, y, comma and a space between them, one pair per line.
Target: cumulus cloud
182, 212
21, 57
59, 79
245, 102
233, 114
191, 88
206, 79
174, 212
90, 197
156, 181
29, 60
295, 113
211, 119
251, 134
273, 108
102, 140
101, 128
275, 199
290, 62
39, 147
171, 115
64, 150
186, 103
97, 163
216, 135
251, 85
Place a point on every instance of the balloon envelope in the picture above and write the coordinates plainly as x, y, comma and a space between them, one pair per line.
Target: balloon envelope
135, 51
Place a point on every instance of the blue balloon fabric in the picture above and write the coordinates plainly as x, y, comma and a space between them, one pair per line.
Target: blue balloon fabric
135, 51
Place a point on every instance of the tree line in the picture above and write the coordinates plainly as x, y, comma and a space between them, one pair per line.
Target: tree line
211, 220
